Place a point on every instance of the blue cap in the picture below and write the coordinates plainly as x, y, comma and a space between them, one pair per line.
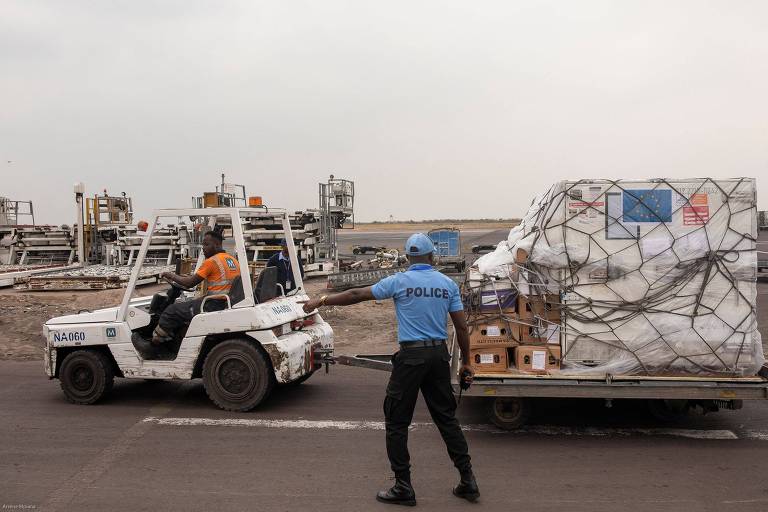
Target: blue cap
419, 244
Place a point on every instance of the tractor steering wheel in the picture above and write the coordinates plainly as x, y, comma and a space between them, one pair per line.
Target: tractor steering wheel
177, 286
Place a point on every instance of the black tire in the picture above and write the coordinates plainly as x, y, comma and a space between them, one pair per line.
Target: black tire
86, 376
237, 376
509, 413
355, 251
668, 411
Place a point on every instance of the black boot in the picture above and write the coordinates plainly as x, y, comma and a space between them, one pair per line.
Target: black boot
399, 494
144, 347
467, 488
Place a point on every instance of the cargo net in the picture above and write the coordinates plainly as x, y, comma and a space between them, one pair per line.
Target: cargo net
631, 278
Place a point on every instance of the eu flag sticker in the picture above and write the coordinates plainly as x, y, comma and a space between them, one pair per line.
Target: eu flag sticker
647, 206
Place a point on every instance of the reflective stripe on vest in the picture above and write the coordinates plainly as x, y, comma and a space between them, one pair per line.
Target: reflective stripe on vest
224, 285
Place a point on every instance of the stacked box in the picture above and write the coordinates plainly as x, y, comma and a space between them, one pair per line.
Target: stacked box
496, 294
489, 359
540, 319
547, 307
490, 302
537, 359
492, 333
489, 341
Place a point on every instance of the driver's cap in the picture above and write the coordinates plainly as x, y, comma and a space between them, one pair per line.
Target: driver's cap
419, 244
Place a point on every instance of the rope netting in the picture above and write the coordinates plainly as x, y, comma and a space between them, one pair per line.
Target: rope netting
638, 277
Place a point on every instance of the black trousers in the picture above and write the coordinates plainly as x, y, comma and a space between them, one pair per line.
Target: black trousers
426, 369
178, 315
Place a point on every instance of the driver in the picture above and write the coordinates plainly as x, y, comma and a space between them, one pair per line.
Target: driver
219, 270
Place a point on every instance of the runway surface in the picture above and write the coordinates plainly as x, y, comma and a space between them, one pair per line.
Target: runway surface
320, 446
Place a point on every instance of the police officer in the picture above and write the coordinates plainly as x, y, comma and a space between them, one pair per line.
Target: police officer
423, 298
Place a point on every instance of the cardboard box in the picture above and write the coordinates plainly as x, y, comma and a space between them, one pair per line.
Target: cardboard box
548, 307
489, 359
496, 333
537, 359
536, 331
498, 300
491, 293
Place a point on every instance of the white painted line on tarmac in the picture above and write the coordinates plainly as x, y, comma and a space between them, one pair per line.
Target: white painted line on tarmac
300, 424
379, 425
755, 435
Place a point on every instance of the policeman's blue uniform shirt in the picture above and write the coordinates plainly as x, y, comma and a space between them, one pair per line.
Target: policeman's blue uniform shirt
423, 298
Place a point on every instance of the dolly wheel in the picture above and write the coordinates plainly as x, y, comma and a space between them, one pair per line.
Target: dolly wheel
668, 411
509, 413
237, 376
86, 375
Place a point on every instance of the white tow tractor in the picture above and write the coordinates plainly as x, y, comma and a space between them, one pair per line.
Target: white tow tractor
261, 339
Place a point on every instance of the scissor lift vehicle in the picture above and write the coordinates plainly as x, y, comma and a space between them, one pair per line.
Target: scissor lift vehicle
261, 339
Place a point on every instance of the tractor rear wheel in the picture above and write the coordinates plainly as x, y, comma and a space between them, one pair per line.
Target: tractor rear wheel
237, 376
86, 376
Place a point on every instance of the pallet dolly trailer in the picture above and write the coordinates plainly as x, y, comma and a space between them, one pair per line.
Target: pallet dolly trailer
509, 396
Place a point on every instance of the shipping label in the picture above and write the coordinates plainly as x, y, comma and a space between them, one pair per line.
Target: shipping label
697, 212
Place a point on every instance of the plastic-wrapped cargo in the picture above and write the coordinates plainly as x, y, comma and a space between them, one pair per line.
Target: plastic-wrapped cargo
656, 277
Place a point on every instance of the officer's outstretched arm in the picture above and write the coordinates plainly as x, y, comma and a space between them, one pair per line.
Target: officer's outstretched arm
346, 298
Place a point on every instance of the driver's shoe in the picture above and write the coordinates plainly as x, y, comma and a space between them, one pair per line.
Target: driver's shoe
144, 347
467, 488
399, 494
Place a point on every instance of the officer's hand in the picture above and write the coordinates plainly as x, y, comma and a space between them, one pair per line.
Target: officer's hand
469, 371
310, 305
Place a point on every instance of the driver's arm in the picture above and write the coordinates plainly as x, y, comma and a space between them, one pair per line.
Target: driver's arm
186, 281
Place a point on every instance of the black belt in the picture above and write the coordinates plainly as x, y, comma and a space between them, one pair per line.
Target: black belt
421, 343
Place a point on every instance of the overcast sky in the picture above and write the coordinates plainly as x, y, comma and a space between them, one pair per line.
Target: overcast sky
435, 109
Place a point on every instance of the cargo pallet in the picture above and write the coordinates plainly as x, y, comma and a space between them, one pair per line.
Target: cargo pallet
10, 273
94, 277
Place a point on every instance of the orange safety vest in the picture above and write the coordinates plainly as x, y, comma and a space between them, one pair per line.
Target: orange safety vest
219, 271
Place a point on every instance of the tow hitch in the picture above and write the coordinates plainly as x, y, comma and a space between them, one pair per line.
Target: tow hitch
371, 361
324, 356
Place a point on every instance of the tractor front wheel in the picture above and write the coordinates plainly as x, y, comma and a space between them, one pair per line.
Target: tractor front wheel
86, 376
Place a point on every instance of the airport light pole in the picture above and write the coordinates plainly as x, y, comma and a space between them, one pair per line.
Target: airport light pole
79, 195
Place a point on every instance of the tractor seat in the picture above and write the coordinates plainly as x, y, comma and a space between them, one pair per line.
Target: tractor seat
236, 293
266, 285
265, 289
